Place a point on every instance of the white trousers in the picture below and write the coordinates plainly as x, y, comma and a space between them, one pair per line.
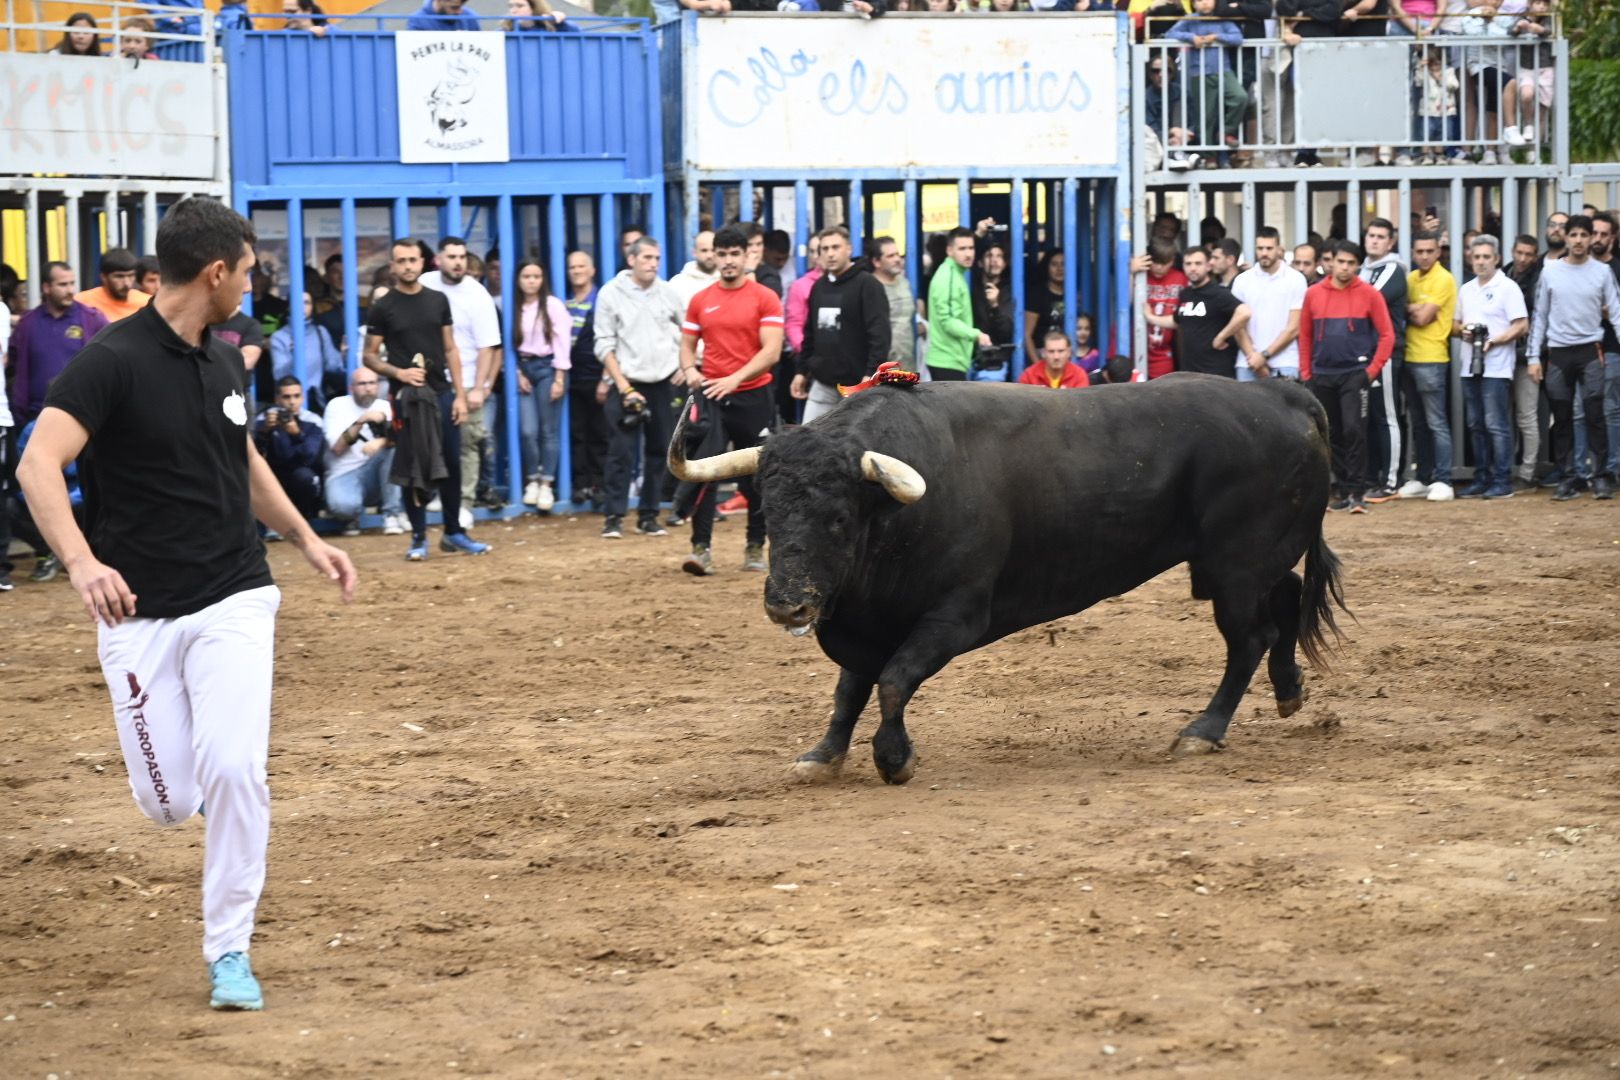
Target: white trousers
821, 400
191, 697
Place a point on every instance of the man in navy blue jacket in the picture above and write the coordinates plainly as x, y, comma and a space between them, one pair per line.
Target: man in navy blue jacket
292, 442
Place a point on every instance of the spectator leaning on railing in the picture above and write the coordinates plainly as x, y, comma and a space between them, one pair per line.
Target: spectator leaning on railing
535, 15
305, 15
80, 42
1220, 97
443, 15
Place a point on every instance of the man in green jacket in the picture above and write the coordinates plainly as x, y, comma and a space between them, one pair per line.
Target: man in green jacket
951, 336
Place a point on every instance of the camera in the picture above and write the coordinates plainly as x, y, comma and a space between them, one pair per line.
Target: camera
635, 413
1478, 334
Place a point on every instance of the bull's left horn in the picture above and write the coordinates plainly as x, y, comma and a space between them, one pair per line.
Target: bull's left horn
900, 480
725, 466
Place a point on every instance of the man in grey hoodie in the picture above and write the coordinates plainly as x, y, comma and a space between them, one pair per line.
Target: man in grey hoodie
638, 335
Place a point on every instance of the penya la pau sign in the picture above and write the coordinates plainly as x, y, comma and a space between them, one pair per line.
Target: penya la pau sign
106, 116
892, 93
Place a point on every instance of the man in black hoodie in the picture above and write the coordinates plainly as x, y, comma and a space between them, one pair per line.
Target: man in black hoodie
846, 335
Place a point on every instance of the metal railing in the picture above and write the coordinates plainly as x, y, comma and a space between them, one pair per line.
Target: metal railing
171, 38
331, 23
1492, 99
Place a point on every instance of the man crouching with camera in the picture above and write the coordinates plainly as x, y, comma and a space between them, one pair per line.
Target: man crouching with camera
289, 438
638, 334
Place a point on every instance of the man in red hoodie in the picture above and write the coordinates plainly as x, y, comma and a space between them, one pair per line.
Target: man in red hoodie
1345, 339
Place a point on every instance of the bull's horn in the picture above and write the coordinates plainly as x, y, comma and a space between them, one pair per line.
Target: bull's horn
725, 466
900, 480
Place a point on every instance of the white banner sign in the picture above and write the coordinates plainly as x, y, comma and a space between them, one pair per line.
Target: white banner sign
106, 116
998, 92
452, 96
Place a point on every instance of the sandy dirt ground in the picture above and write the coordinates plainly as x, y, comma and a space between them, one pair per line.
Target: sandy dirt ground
532, 818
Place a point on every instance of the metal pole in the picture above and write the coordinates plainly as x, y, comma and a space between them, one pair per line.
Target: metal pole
914, 240
31, 221
149, 223
1106, 194
295, 302
855, 215
350, 247
506, 226
1302, 212
745, 201
690, 198
801, 223
115, 231
402, 217
1249, 221
1083, 254
1071, 248
1015, 232
452, 217
557, 248
1352, 209
71, 209
964, 204
1195, 215
607, 229
1510, 218
1459, 257
657, 224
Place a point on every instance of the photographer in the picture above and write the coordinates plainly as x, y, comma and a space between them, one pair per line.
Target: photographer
638, 328
291, 440
1491, 316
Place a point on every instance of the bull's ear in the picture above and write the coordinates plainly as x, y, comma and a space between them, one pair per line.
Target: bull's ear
900, 480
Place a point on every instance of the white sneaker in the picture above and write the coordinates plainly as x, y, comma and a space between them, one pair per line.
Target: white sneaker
1488, 158
1528, 134
351, 527
1512, 137
544, 500
531, 493
436, 506
1413, 489
1440, 491
465, 517
1403, 160
393, 524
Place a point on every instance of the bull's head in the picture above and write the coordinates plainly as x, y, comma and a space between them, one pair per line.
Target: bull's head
814, 487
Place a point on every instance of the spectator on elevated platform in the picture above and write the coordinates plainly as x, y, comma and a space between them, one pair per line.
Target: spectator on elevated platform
443, 15
116, 297
46, 338
292, 442
1534, 78
134, 42
535, 15
180, 24
304, 15
85, 42
1220, 98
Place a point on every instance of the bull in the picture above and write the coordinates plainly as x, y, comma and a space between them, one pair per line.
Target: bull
913, 524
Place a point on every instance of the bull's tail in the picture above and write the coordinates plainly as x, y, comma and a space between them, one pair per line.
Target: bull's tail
1323, 591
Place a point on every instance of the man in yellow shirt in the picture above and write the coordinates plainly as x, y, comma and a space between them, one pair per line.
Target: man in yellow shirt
1431, 303
117, 297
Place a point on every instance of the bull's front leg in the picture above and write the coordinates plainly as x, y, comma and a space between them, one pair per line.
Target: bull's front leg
824, 761
932, 644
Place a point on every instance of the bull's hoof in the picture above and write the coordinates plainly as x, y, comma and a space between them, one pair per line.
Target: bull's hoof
1287, 707
902, 774
1193, 746
808, 770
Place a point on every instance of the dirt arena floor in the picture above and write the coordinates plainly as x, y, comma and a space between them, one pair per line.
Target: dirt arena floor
532, 818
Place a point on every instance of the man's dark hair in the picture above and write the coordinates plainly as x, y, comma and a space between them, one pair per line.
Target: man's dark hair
1346, 247
451, 241
1230, 248
1379, 223
1425, 234
493, 255
51, 268
405, 241
730, 238
1212, 228
751, 229
197, 232
1526, 238
959, 233
289, 380
879, 243
119, 260
1268, 232
1607, 218
146, 264
778, 241
1119, 369
1162, 252
335, 257
628, 229
1315, 246
1577, 221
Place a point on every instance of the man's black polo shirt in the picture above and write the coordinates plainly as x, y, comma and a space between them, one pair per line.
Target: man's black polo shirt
165, 475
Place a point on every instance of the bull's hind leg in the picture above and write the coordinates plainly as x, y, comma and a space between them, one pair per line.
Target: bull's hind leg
1287, 677
1244, 618
826, 758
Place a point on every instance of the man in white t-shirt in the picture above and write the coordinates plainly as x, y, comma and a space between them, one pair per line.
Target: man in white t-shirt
1492, 300
477, 329
358, 456
1274, 293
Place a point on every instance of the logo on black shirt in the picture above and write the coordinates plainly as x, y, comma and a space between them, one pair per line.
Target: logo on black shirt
235, 407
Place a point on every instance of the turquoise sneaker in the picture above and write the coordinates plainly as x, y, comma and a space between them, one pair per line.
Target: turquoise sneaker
234, 984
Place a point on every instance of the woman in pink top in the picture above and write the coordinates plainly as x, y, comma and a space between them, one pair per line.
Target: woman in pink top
542, 328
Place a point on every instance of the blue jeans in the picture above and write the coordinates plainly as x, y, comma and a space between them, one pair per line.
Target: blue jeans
1431, 381
348, 495
1488, 404
1611, 408
539, 421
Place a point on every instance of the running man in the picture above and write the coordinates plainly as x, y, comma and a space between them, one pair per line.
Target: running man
173, 572
739, 323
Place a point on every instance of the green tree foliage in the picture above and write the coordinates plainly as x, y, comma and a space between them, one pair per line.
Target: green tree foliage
1593, 28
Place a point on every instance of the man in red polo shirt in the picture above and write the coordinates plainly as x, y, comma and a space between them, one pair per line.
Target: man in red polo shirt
740, 325
1056, 370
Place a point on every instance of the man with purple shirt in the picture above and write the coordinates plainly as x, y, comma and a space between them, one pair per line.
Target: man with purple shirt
48, 337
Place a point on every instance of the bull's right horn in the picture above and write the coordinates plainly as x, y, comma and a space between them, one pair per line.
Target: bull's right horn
725, 466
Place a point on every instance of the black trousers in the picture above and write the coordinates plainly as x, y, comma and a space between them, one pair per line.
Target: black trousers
743, 420
588, 437
652, 438
1569, 370
939, 374
1344, 395
303, 486
450, 486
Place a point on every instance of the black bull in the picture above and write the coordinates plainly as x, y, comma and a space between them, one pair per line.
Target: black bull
913, 524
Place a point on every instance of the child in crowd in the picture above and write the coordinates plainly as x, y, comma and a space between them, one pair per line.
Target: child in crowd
1534, 80
1437, 108
133, 40
1219, 100
1085, 344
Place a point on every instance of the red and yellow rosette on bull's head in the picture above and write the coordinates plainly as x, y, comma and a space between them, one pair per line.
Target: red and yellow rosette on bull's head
888, 373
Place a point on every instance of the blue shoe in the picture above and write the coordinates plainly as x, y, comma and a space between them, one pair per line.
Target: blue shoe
418, 551
1474, 491
454, 542
234, 984
1500, 491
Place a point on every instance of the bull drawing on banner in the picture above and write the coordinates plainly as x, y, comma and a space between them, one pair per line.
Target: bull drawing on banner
913, 524
452, 94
